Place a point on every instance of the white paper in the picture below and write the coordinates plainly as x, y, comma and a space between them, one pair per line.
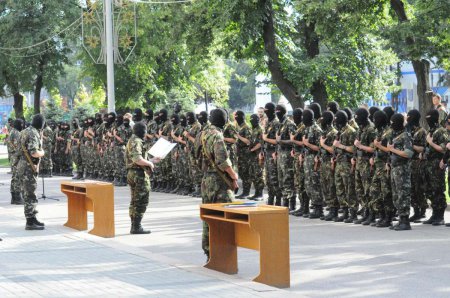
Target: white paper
161, 148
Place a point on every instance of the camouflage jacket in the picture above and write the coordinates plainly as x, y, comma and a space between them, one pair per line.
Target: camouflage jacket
213, 145
134, 152
245, 132
271, 130
30, 140
402, 141
152, 130
313, 134
77, 134
298, 136
287, 127
256, 138
419, 136
366, 135
178, 132
440, 138
166, 128
330, 135
347, 138
124, 133
229, 131
48, 139
384, 136
14, 140
193, 130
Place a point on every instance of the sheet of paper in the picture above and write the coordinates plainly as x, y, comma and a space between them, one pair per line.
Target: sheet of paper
161, 148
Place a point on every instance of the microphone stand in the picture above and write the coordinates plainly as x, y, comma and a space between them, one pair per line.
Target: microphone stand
43, 196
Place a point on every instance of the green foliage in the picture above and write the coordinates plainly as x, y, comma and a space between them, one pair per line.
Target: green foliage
53, 109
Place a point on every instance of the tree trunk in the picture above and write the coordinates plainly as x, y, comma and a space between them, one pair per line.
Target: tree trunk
18, 105
422, 70
37, 93
278, 77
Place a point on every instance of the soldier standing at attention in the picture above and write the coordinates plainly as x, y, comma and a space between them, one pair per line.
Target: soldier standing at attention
122, 134
46, 165
138, 179
256, 171
269, 154
401, 150
77, 134
216, 165
16, 152
229, 135
194, 128
243, 158
32, 152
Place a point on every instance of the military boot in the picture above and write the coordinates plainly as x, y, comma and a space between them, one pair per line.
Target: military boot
292, 204
439, 220
175, 190
257, 196
351, 215
162, 186
370, 218
18, 200
278, 200
306, 210
416, 214
403, 224
34, 224
344, 215
317, 213
285, 202
387, 221
169, 188
365, 215
270, 200
245, 193
432, 218
136, 227
332, 214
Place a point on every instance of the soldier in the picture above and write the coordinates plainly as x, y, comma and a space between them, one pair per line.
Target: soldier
351, 120
46, 164
419, 135
139, 169
220, 180
437, 140
9, 127
441, 109
243, 147
344, 172
75, 148
194, 129
401, 150
311, 141
176, 132
137, 115
31, 145
327, 184
333, 107
166, 164
389, 112
122, 134
256, 171
152, 129
89, 141
15, 151
269, 155
366, 134
183, 158
372, 111
229, 135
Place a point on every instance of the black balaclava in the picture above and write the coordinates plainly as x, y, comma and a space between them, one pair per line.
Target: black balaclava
397, 122
327, 119
362, 117
389, 112
75, 123
349, 113
218, 118
18, 124
315, 107
85, 123
380, 120
183, 120
269, 110
280, 111
413, 118
90, 122
52, 125
190, 117
297, 114
333, 107
175, 119
254, 120
66, 126
38, 121
149, 114
373, 110
111, 118
27, 124
308, 117
157, 119
119, 120
203, 118
341, 119
98, 118
239, 117
433, 118
163, 114
137, 115
126, 122
105, 118
140, 129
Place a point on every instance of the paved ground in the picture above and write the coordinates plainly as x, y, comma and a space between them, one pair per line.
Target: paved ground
327, 259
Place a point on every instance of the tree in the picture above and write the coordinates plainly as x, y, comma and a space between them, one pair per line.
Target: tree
52, 108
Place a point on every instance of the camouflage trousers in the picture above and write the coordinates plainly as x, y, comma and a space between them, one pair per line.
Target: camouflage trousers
181, 168
345, 184
110, 161
166, 169
119, 162
362, 180
214, 190
243, 162
270, 166
285, 169
76, 157
327, 182
418, 184
401, 188
29, 186
299, 181
312, 180
139, 183
380, 189
256, 172
195, 171
435, 184
16, 185
46, 163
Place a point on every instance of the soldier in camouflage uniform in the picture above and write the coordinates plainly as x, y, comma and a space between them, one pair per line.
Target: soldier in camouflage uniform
96, 141
183, 158
89, 140
229, 133
176, 154
311, 141
31, 144
63, 150
138, 167
366, 134
269, 155
214, 188
243, 147
343, 173
351, 119
203, 120
419, 135
75, 148
285, 162
328, 187
401, 150
46, 164
256, 171
193, 129
437, 140
380, 188
166, 164
16, 152
122, 135
441, 109
56, 156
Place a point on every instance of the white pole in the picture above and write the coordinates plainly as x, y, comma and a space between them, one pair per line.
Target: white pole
109, 56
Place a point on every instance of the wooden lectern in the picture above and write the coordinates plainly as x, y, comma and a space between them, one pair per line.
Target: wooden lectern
97, 197
264, 228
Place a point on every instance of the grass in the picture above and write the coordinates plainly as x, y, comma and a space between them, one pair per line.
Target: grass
4, 162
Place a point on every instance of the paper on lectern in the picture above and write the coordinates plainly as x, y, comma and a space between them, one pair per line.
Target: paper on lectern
161, 148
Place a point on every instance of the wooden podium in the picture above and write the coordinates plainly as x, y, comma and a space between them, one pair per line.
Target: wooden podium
264, 228
97, 197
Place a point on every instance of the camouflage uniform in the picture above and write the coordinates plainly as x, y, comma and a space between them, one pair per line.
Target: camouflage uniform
15, 152
285, 164
312, 176
166, 164
229, 132
194, 167
137, 178
30, 139
299, 176
326, 171
176, 158
417, 171
256, 171
92, 156
125, 134
75, 150
214, 189
401, 173
271, 164
243, 158
343, 178
46, 164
